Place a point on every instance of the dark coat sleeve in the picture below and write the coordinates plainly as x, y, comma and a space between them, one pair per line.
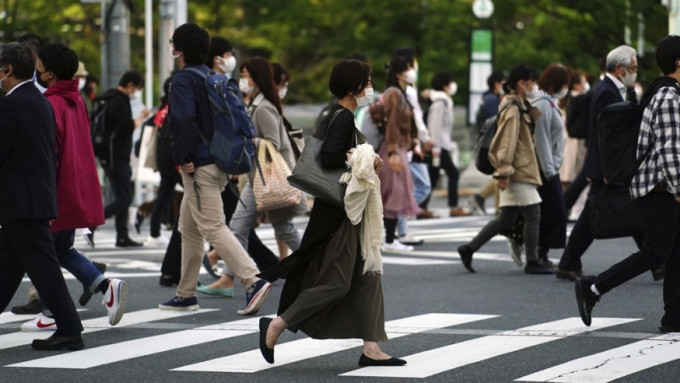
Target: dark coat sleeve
338, 141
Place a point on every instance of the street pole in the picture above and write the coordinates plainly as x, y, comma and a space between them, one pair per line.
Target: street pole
673, 7
148, 53
167, 27
116, 59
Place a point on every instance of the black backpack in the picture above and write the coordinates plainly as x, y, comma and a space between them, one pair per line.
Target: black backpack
578, 113
486, 133
102, 138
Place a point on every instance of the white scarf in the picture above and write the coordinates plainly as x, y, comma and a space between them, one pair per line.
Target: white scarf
364, 203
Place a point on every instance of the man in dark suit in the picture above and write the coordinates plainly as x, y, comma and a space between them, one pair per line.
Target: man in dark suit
28, 197
621, 71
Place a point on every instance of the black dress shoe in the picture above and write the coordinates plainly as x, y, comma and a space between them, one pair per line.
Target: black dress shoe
571, 275
465, 253
87, 294
267, 353
168, 280
585, 299
127, 242
365, 361
666, 328
535, 267
32, 307
56, 342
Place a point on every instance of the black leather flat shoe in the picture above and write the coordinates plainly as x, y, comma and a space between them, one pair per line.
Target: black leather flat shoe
365, 361
59, 343
267, 353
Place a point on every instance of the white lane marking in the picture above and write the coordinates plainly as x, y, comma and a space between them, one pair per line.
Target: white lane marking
613, 364
295, 351
432, 362
414, 261
98, 324
135, 348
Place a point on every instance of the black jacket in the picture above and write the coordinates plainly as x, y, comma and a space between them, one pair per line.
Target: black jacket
118, 118
27, 156
325, 219
605, 93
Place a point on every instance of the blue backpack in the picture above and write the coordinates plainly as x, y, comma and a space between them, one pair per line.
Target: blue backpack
232, 146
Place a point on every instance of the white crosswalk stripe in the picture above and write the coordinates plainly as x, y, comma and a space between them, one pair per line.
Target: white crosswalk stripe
613, 364
603, 367
98, 324
441, 359
286, 353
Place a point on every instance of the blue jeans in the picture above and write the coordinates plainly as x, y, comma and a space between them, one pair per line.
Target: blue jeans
421, 189
76, 263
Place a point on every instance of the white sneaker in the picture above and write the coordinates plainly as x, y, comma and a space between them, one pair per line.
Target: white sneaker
40, 323
115, 299
160, 241
395, 247
410, 240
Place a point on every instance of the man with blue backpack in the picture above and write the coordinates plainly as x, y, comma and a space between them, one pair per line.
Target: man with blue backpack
205, 123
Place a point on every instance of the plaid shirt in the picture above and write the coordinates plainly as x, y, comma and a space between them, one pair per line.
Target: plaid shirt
660, 130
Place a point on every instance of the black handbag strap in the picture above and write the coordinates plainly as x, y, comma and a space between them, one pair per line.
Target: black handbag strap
355, 141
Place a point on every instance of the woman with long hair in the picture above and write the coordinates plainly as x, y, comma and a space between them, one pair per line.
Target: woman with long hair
264, 107
396, 184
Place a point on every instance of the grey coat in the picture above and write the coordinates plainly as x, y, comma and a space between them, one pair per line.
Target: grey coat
269, 125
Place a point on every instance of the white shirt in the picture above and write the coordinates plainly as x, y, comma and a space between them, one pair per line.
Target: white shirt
16, 86
622, 88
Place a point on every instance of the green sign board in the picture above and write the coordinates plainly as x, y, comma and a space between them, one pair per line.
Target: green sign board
482, 44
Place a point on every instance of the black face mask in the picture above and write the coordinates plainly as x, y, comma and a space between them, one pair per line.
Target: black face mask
39, 81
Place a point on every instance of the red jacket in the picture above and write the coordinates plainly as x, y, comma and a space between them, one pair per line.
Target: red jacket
79, 195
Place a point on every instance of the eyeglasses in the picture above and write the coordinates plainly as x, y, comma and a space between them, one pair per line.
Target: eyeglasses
633, 68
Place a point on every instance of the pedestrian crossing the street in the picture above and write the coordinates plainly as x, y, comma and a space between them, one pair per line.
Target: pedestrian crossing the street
601, 367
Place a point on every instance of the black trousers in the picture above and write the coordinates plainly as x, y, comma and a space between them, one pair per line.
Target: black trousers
575, 189
452, 174
581, 237
26, 247
661, 245
553, 226
120, 178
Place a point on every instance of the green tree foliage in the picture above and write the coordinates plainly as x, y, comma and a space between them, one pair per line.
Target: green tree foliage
309, 36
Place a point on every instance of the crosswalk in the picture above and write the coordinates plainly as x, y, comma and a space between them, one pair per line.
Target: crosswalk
602, 367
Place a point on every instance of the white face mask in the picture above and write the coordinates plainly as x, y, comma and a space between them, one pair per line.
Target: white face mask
173, 56
586, 87
136, 94
453, 89
283, 92
81, 83
411, 76
245, 87
628, 79
561, 94
367, 98
226, 65
532, 93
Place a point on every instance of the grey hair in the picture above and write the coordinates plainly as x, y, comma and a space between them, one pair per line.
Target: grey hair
620, 55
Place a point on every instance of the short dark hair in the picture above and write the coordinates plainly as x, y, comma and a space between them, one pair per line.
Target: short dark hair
132, 76
193, 41
349, 77
667, 53
555, 77
521, 72
34, 41
218, 47
440, 80
20, 57
407, 52
357, 56
60, 60
493, 79
281, 74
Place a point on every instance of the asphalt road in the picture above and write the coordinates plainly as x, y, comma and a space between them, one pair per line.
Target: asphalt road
498, 325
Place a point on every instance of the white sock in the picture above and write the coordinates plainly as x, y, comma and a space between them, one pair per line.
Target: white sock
594, 289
